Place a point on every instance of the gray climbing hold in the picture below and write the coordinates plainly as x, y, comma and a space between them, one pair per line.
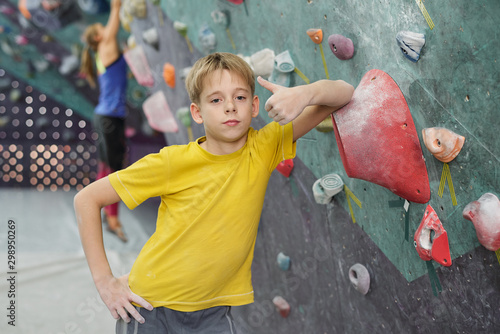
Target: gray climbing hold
360, 278
150, 36
207, 39
327, 187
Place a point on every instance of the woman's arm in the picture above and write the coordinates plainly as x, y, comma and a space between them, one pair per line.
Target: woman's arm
113, 25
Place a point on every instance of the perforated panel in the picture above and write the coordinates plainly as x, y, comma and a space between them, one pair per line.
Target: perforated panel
43, 144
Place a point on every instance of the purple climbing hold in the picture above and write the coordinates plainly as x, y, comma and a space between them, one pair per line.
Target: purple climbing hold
341, 46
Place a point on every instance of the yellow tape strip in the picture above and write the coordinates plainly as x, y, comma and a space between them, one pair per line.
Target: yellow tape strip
189, 44
497, 252
350, 210
442, 182
301, 75
446, 176
425, 13
324, 61
351, 194
230, 38
450, 185
355, 199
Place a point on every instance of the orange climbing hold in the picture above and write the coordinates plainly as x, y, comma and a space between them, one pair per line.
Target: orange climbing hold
316, 35
22, 6
378, 141
169, 74
444, 144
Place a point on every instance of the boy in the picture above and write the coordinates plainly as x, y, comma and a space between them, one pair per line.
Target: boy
197, 263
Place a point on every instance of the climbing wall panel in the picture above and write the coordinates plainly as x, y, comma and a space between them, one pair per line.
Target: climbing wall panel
452, 85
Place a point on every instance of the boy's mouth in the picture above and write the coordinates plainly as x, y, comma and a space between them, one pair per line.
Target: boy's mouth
232, 122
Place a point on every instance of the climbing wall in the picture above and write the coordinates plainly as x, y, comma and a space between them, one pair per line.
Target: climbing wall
453, 84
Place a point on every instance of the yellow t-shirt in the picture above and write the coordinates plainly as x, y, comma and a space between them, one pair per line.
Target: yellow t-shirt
201, 252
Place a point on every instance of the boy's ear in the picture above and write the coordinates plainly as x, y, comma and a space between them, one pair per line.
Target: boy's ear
196, 113
255, 106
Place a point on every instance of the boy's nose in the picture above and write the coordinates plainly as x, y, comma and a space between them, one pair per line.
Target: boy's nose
230, 107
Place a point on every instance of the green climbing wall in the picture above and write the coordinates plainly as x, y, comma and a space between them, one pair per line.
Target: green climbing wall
453, 85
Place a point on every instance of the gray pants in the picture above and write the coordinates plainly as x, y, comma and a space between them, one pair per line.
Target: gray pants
215, 320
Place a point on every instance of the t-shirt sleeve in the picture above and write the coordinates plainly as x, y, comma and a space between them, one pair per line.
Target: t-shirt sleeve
146, 178
276, 143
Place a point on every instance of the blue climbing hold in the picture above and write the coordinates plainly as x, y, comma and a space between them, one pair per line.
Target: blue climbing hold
283, 261
410, 43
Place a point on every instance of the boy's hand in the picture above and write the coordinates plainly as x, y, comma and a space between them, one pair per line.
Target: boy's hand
286, 103
118, 297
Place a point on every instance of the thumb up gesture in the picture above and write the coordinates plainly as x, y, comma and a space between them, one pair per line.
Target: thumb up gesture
286, 103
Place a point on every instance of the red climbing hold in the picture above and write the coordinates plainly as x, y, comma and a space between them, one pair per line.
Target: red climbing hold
378, 141
432, 246
285, 167
282, 306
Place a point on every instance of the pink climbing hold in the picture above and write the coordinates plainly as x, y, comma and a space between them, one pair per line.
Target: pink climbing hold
282, 306
485, 215
378, 141
137, 61
341, 46
285, 167
158, 113
432, 247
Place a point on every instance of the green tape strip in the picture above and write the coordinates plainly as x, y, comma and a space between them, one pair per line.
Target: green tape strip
396, 203
497, 252
324, 61
435, 284
301, 75
407, 224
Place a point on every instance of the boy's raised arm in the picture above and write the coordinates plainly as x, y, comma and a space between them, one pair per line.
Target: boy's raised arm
114, 292
306, 106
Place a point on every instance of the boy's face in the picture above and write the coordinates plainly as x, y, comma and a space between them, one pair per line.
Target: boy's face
226, 109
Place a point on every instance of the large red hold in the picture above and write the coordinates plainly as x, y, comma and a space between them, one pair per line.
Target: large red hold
378, 141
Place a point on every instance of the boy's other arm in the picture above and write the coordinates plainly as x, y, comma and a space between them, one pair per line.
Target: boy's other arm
115, 292
306, 106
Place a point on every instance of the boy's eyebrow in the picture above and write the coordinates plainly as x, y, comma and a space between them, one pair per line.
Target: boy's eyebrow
235, 90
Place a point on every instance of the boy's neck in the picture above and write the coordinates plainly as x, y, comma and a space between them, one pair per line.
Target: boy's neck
217, 148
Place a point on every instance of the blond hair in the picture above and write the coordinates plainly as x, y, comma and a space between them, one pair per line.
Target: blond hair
87, 62
215, 62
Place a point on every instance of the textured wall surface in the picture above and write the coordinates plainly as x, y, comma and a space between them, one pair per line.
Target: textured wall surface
453, 85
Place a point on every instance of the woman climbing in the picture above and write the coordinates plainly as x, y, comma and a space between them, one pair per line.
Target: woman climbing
110, 112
